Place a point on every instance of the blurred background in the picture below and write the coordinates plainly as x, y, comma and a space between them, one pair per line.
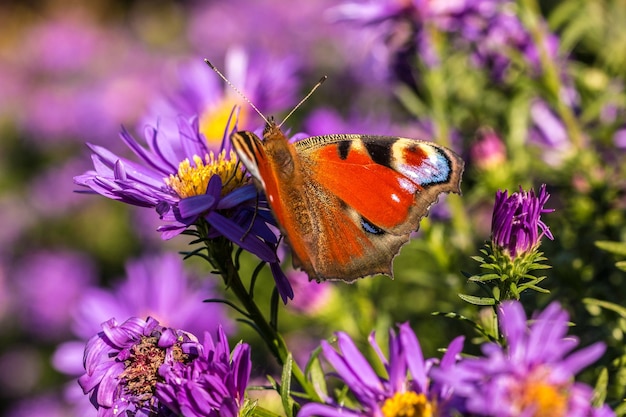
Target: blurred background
459, 72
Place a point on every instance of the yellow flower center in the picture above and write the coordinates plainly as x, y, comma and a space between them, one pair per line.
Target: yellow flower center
214, 119
408, 404
547, 400
192, 180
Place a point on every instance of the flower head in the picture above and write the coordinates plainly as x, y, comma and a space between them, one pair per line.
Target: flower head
405, 391
549, 132
533, 375
516, 225
489, 30
48, 285
488, 152
122, 365
268, 82
212, 385
189, 184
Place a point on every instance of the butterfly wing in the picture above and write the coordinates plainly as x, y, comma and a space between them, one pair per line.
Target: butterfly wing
369, 193
347, 203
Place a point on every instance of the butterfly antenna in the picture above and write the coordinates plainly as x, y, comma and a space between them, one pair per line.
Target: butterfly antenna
238, 91
315, 87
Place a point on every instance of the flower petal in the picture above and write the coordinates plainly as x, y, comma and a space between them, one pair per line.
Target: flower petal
241, 237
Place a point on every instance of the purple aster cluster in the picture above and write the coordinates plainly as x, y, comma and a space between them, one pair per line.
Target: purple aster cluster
122, 365
156, 286
532, 374
212, 385
516, 225
490, 29
407, 388
142, 368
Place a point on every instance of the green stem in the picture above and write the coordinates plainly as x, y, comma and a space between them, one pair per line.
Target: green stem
438, 98
222, 256
552, 81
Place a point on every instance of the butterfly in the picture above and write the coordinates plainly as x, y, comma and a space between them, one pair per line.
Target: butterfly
346, 203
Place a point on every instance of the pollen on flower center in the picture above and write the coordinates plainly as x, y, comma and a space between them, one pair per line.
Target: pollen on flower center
192, 180
545, 399
408, 404
142, 366
214, 119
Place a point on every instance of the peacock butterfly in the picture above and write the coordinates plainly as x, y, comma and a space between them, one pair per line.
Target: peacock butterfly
346, 203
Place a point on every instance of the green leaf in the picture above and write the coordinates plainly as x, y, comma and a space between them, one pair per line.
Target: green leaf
621, 265
315, 372
621, 310
620, 410
618, 248
485, 277
285, 386
476, 326
496, 293
514, 290
538, 266
262, 412
536, 288
251, 409
479, 301
599, 391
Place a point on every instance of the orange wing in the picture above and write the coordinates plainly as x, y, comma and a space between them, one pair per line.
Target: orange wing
347, 203
368, 193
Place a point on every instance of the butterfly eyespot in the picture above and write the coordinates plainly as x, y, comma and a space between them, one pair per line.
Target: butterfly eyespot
371, 228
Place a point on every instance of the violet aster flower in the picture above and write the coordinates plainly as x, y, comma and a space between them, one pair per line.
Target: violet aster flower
156, 286
488, 151
122, 365
48, 285
211, 385
267, 82
48, 404
67, 89
212, 192
407, 389
488, 29
549, 132
516, 226
533, 375
310, 296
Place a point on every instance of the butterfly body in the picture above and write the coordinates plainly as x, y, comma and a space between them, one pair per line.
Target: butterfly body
347, 203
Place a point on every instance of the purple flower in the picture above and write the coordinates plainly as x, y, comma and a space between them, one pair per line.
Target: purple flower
324, 121
155, 286
533, 375
212, 192
516, 225
407, 389
48, 404
549, 132
51, 195
212, 385
310, 296
619, 138
277, 30
267, 82
122, 365
488, 29
488, 152
67, 85
48, 285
